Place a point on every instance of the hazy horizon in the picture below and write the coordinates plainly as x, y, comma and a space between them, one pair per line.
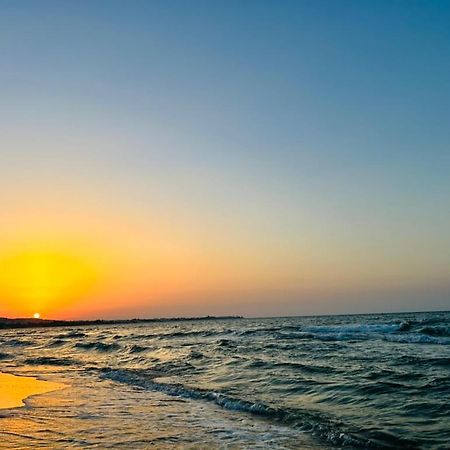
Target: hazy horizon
93, 319
204, 158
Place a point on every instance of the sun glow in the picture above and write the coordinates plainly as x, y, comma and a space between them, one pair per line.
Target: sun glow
42, 279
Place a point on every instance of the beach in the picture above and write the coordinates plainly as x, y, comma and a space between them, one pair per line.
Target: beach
364, 381
14, 390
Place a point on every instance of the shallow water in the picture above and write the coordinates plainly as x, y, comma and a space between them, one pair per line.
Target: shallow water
360, 381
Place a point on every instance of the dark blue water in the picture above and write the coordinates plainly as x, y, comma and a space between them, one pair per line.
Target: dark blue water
358, 381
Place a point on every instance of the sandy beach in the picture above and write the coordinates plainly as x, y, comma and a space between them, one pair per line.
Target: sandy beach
14, 389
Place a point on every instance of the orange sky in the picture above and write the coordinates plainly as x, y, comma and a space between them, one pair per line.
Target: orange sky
93, 262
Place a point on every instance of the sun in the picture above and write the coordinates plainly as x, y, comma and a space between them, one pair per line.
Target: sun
37, 279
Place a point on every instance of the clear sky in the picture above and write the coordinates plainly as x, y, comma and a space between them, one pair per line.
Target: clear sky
224, 157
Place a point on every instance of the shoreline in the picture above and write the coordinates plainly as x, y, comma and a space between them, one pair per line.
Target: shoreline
15, 389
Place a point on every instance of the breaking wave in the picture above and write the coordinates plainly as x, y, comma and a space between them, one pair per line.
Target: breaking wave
319, 424
403, 332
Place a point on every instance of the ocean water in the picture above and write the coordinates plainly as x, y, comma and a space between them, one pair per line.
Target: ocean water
356, 381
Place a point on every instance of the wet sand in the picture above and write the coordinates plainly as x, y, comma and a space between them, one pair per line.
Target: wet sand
14, 390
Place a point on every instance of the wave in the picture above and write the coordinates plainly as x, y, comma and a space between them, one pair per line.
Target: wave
73, 334
180, 334
177, 334
50, 361
225, 343
317, 423
435, 319
412, 338
138, 337
196, 355
436, 331
263, 330
437, 361
304, 368
323, 336
57, 343
99, 346
19, 343
357, 328
137, 349
399, 332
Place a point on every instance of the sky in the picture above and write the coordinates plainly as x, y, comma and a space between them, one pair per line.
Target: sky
183, 158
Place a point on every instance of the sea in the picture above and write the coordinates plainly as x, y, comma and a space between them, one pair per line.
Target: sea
379, 381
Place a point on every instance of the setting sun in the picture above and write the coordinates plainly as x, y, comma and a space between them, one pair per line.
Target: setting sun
37, 279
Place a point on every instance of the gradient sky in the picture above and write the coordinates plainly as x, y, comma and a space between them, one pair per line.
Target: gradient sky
208, 157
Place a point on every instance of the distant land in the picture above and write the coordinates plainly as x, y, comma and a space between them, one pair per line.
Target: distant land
6, 323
